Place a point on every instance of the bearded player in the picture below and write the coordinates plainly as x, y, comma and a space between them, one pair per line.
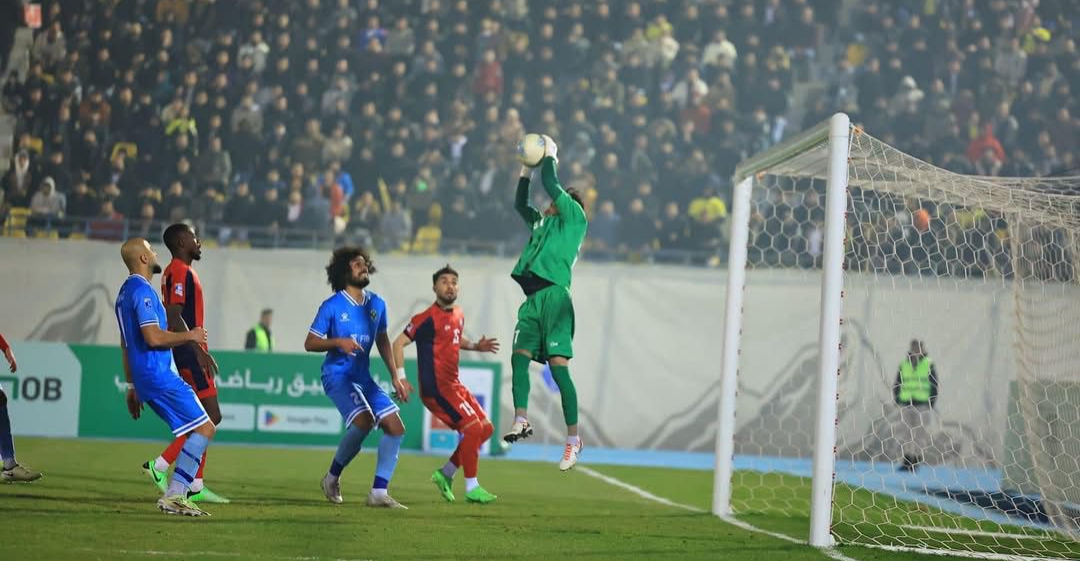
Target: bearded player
438, 334
545, 326
182, 294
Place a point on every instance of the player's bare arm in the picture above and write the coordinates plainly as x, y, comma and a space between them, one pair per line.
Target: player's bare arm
400, 343
133, 404
402, 386
178, 325
158, 338
484, 345
316, 344
8, 354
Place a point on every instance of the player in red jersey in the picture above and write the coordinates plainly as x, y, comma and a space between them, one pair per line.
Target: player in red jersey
182, 294
438, 334
11, 471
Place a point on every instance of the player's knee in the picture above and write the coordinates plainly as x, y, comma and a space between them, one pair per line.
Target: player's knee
393, 426
558, 361
488, 430
206, 429
364, 422
215, 417
523, 353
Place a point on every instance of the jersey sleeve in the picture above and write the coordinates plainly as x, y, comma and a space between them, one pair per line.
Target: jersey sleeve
381, 327
521, 202
175, 291
321, 326
569, 210
145, 305
413, 329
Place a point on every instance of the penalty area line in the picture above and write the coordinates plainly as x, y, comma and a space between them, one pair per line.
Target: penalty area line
829, 552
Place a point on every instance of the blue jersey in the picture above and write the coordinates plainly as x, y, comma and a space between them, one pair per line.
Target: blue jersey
152, 370
340, 316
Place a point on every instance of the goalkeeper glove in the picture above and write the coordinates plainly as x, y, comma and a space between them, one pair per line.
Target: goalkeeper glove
550, 148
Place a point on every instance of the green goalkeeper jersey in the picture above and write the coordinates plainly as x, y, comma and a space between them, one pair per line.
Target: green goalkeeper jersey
556, 240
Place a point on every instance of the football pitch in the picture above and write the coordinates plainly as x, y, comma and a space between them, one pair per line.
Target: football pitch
95, 503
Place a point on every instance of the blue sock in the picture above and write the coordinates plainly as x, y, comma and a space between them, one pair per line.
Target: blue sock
347, 449
387, 461
187, 463
7, 445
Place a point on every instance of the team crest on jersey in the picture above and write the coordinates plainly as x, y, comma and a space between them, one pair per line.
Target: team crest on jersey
179, 290
374, 315
344, 316
446, 327
149, 305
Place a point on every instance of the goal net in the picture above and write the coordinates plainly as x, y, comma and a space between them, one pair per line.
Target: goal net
973, 447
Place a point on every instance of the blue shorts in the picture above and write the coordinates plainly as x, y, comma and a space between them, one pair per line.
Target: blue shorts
354, 397
179, 408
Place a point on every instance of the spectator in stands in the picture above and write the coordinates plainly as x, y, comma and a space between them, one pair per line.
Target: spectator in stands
46, 207
604, 228
395, 228
83, 202
18, 181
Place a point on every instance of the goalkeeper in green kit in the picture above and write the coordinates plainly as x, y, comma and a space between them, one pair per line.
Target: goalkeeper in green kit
545, 323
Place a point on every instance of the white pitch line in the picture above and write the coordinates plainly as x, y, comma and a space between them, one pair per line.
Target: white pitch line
980, 533
226, 554
829, 552
958, 553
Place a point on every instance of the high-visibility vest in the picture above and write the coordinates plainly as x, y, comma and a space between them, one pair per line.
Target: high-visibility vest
915, 381
263, 342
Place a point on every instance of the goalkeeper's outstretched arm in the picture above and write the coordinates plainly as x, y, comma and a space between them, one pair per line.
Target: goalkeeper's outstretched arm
521, 198
550, 179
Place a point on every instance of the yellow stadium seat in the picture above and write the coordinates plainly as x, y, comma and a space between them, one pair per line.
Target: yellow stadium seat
240, 244
16, 222
77, 236
427, 239
210, 243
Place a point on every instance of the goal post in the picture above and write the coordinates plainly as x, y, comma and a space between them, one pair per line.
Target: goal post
834, 133
938, 409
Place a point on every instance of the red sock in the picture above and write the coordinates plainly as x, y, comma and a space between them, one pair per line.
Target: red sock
170, 454
202, 466
475, 436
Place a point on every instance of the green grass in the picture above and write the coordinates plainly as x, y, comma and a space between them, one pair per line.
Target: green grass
95, 503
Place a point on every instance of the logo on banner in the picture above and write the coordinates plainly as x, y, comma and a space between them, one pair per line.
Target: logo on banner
299, 420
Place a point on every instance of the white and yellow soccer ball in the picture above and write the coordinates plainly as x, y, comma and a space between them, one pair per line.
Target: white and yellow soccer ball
532, 149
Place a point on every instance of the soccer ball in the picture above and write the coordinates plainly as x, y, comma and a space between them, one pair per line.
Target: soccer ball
531, 150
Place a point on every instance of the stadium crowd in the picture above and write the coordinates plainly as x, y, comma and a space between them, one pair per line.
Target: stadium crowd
395, 122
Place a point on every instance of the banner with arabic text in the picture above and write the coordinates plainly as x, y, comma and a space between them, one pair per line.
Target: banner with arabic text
265, 399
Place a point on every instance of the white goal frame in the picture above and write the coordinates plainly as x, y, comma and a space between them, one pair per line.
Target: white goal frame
837, 133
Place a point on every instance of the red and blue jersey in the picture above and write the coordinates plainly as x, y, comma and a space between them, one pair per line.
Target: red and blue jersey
437, 334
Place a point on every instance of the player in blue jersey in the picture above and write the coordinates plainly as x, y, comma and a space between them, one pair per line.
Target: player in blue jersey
151, 373
347, 327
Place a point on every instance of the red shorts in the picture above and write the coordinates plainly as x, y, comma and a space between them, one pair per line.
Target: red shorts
454, 405
204, 384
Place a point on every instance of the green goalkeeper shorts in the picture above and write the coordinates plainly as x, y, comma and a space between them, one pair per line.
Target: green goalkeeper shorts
545, 325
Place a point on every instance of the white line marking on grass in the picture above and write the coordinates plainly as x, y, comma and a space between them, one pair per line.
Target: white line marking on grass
831, 553
980, 533
227, 554
958, 553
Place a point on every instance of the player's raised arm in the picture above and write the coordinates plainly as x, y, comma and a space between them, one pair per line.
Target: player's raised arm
521, 198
